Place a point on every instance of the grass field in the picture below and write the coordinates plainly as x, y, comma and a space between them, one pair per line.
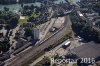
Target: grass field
35, 15
22, 21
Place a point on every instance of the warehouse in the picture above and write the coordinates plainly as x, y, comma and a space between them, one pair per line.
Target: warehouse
88, 50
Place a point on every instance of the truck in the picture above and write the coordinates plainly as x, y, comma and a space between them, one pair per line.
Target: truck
67, 44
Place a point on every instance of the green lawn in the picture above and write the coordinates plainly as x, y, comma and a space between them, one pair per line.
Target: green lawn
22, 21
35, 15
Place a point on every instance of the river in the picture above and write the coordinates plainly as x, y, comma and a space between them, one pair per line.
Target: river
15, 7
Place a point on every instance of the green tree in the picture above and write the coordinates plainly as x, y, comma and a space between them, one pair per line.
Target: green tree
6, 9
22, 5
54, 64
4, 46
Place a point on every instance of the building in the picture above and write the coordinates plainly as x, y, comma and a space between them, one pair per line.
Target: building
80, 15
20, 42
36, 33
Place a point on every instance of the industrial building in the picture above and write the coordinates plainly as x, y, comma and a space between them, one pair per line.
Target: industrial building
36, 33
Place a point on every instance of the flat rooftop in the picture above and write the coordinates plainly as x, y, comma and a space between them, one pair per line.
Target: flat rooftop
88, 50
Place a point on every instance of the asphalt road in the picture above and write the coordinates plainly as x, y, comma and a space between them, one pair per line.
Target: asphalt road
23, 57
